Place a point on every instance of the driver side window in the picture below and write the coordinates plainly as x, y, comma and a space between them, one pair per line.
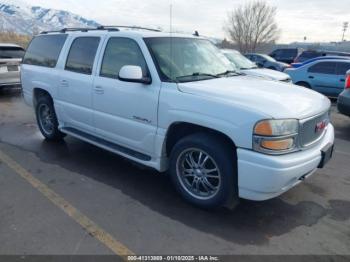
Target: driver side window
120, 52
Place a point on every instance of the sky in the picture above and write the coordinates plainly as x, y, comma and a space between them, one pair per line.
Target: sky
318, 20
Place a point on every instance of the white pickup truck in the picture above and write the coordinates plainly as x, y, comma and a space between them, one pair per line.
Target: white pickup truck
174, 103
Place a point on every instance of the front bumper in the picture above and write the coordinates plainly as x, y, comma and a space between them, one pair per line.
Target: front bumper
344, 102
262, 177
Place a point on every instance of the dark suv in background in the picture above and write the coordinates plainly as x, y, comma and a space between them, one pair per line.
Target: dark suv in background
344, 97
306, 55
286, 55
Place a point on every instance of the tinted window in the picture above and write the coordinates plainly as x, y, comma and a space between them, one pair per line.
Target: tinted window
343, 68
120, 52
82, 55
310, 55
44, 50
323, 68
11, 52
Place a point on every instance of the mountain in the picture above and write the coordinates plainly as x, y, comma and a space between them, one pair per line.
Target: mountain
19, 17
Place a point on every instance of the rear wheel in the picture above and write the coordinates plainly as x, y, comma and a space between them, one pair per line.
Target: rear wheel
47, 119
203, 170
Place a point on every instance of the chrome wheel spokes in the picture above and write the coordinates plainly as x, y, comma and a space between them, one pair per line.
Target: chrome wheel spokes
198, 173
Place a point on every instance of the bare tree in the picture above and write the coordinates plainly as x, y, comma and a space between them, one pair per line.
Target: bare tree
251, 25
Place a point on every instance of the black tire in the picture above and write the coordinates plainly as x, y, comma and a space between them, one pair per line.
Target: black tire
53, 133
272, 68
223, 156
303, 84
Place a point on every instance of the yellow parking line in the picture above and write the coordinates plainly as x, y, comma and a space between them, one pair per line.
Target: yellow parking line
92, 228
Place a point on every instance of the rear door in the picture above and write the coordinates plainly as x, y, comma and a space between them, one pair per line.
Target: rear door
10, 59
323, 77
76, 83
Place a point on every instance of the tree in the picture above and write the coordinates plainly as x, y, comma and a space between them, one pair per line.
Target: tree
251, 25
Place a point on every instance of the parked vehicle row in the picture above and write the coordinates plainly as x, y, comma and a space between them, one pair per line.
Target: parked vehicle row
10, 58
247, 67
324, 76
177, 104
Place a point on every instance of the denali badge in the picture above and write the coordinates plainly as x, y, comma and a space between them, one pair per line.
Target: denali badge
321, 126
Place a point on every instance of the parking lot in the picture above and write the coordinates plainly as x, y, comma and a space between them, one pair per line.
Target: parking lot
74, 198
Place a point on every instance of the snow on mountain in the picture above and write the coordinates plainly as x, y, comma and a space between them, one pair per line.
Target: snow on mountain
22, 18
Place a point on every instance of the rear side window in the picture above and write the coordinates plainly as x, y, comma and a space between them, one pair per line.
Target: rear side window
342, 68
309, 55
82, 54
44, 50
11, 52
120, 52
324, 68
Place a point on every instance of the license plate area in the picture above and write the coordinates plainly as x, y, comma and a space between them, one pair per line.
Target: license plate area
327, 153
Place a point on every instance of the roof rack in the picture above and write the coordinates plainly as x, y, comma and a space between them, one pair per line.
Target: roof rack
102, 27
108, 27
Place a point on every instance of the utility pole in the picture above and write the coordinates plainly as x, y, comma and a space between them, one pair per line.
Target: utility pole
345, 27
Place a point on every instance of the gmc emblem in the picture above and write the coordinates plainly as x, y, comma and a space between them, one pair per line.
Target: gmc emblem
321, 126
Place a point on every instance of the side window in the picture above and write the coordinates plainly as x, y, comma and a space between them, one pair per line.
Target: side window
44, 50
120, 52
342, 68
323, 68
82, 55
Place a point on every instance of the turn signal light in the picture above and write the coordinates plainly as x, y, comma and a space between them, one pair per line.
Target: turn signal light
278, 144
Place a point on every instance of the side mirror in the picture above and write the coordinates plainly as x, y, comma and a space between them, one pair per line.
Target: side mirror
130, 73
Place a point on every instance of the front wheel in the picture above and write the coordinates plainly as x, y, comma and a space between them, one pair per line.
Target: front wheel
46, 119
203, 170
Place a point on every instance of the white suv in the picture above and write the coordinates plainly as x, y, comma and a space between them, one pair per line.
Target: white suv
174, 103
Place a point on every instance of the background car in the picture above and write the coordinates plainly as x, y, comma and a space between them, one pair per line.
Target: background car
324, 76
249, 68
286, 55
309, 54
344, 98
266, 61
10, 58
296, 65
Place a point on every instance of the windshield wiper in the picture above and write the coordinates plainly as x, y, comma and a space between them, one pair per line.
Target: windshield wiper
229, 72
197, 74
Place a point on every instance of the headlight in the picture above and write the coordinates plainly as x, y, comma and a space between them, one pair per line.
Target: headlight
276, 136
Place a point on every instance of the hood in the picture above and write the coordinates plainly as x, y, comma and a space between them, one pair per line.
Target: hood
267, 73
269, 98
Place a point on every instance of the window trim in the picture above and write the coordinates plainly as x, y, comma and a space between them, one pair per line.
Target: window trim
70, 49
103, 52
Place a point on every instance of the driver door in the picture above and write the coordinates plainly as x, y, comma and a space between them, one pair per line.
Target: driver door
125, 113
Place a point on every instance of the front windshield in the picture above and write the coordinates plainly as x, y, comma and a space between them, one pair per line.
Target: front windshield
188, 59
240, 61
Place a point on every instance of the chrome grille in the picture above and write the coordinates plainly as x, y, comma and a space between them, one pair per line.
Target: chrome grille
308, 132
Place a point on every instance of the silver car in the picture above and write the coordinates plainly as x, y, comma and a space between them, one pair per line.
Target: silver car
10, 59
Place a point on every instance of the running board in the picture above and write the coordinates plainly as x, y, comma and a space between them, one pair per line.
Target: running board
115, 148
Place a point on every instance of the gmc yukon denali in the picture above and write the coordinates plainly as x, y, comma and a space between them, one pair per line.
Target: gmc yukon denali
174, 103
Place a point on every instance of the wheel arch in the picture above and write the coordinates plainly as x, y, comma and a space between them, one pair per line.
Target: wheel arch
178, 130
40, 92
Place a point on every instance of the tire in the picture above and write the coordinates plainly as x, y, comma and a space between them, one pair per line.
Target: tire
224, 190
272, 68
303, 84
47, 119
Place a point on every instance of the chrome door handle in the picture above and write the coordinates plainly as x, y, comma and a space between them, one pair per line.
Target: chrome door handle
64, 83
99, 90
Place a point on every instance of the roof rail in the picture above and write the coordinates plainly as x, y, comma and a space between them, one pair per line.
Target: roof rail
108, 27
70, 29
102, 27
